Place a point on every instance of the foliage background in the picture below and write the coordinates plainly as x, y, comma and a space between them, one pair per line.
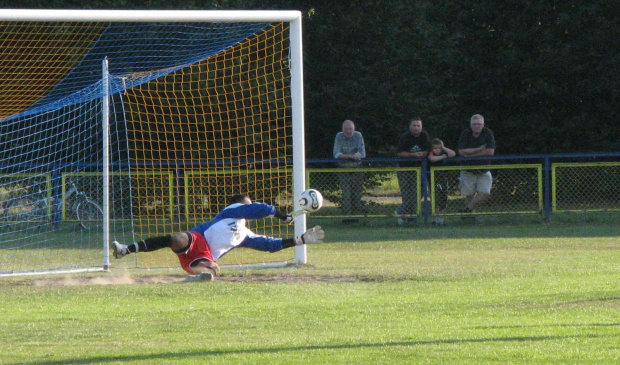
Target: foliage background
544, 74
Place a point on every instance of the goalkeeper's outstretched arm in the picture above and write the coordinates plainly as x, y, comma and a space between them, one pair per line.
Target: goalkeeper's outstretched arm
289, 218
313, 235
270, 244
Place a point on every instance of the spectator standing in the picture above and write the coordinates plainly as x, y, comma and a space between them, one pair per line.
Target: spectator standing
414, 146
475, 185
437, 156
349, 150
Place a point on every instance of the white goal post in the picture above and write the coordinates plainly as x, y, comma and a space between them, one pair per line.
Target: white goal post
17, 177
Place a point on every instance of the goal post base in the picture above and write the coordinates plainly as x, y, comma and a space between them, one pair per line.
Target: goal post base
52, 272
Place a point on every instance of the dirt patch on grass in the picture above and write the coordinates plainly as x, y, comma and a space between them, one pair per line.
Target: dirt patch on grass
121, 278
125, 278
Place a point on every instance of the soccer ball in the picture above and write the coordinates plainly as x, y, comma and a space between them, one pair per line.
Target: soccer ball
311, 200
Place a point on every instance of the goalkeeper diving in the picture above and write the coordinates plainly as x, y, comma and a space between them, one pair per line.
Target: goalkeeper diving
199, 248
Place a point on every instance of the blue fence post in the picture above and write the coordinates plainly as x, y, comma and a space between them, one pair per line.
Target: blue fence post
425, 203
180, 190
547, 191
56, 196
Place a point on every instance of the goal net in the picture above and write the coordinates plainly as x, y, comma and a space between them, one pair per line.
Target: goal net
123, 125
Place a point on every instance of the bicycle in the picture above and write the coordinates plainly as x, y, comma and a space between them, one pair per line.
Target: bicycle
39, 208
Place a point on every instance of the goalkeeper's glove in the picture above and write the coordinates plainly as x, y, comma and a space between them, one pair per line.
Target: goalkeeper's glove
313, 235
289, 218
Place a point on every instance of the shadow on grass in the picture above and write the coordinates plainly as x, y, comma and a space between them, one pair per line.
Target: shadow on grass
184, 355
548, 325
372, 231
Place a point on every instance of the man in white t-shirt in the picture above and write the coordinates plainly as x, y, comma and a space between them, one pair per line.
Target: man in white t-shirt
475, 185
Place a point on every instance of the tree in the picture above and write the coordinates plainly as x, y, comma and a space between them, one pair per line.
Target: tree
544, 74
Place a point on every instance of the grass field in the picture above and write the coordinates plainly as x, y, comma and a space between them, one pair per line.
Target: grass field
496, 294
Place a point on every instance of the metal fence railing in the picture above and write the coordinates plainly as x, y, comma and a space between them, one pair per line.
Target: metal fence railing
578, 187
540, 185
534, 184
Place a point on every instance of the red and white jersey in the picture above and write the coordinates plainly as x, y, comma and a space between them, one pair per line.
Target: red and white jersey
228, 229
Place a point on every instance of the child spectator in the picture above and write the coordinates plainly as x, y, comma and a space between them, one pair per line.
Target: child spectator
438, 154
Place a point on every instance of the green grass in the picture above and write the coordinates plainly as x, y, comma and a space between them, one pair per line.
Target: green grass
535, 294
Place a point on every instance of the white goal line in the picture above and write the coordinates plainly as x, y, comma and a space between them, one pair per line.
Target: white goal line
50, 272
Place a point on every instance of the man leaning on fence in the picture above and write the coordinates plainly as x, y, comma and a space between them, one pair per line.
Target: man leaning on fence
414, 146
349, 149
475, 185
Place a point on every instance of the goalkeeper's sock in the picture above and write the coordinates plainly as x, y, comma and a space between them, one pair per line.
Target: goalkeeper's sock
151, 244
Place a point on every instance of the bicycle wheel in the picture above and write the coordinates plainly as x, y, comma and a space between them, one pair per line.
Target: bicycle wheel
90, 215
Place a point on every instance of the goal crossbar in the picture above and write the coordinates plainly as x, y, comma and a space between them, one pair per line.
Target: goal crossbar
183, 16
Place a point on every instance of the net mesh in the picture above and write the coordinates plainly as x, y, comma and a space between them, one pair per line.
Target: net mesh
222, 126
35, 57
198, 112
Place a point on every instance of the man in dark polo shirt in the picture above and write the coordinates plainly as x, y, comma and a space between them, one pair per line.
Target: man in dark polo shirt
413, 145
477, 140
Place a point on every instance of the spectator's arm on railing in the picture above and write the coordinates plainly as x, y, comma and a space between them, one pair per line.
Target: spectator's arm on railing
478, 151
405, 154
